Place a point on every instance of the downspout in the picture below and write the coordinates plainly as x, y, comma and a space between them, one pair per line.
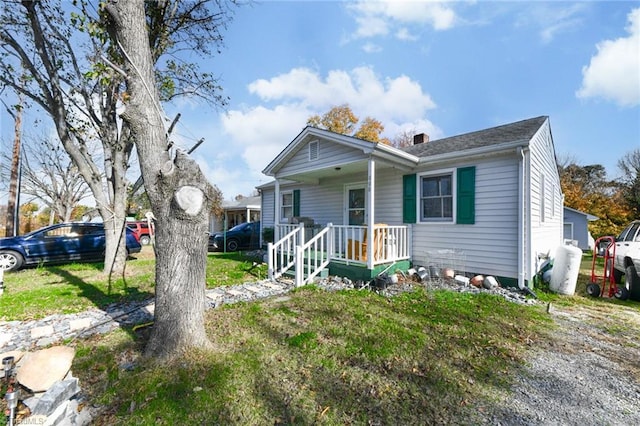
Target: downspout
522, 218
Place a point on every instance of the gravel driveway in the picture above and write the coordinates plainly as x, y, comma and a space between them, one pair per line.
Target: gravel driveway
588, 373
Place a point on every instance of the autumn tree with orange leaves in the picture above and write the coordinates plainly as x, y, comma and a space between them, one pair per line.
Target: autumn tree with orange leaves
586, 188
341, 119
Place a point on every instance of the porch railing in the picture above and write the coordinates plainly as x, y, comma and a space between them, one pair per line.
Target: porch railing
281, 254
311, 254
390, 243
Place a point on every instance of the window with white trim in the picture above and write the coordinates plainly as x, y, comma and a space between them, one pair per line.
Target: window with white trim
436, 198
286, 205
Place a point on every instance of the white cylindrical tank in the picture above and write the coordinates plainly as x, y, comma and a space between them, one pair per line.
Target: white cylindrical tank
566, 267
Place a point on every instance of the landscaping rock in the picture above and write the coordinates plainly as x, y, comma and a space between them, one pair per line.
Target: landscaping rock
41, 369
59, 392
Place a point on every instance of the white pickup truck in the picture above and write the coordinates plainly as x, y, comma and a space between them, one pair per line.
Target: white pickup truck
627, 259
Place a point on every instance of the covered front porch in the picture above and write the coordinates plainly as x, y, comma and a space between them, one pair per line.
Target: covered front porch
357, 252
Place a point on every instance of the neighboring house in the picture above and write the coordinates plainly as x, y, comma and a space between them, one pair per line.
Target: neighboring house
575, 228
246, 209
486, 202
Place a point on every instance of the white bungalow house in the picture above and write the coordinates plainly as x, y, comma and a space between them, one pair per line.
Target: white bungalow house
486, 202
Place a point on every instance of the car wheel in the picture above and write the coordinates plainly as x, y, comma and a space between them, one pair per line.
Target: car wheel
145, 240
593, 289
10, 260
632, 283
232, 245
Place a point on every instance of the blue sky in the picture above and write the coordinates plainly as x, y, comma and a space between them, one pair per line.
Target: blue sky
440, 68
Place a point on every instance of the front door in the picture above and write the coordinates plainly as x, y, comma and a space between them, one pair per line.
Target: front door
355, 203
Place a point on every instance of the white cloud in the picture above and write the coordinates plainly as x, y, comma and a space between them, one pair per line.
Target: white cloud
388, 100
371, 48
376, 18
552, 19
371, 26
405, 34
259, 133
614, 72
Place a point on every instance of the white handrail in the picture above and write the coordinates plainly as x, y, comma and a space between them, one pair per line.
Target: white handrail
314, 256
281, 255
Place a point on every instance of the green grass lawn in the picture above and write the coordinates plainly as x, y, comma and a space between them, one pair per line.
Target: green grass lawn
316, 357
310, 357
34, 293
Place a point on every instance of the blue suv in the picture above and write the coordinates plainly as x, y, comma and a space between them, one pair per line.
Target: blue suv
60, 243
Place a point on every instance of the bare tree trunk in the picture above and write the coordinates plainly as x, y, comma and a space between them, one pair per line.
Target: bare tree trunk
13, 183
179, 194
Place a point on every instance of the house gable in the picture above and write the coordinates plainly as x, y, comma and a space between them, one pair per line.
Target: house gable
316, 153
319, 154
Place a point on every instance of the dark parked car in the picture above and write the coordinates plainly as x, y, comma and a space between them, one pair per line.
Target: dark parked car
243, 236
64, 242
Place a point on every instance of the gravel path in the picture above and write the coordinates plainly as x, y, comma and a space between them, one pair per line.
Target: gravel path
588, 374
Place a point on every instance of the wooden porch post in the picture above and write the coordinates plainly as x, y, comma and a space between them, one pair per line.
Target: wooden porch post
371, 186
276, 216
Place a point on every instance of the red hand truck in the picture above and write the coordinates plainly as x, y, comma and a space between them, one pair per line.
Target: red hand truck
604, 283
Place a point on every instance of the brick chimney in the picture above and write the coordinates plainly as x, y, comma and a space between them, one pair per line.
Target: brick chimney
421, 138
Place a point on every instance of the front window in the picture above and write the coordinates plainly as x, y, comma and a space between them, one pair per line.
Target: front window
286, 206
356, 206
436, 198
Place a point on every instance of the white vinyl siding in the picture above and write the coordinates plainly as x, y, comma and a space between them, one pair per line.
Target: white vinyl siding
547, 228
329, 155
267, 209
388, 197
490, 245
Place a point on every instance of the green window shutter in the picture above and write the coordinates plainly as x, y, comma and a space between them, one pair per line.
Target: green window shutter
466, 196
296, 202
409, 198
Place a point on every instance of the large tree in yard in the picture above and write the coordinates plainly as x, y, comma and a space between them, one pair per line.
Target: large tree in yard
179, 194
60, 57
40, 60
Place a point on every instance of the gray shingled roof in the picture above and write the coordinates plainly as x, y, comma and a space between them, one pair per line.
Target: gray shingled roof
518, 131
